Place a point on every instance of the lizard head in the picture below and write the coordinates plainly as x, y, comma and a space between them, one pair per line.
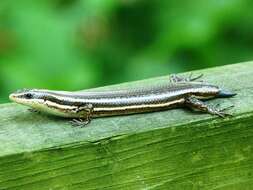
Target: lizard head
44, 101
26, 96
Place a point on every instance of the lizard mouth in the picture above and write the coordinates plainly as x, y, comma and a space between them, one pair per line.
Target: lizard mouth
13, 97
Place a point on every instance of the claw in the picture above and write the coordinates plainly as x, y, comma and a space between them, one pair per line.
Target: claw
175, 78
195, 78
79, 122
33, 110
227, 108
222, 112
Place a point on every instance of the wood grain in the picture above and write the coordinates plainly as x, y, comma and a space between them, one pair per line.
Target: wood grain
174, 149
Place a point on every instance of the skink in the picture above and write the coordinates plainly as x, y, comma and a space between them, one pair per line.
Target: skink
83, 106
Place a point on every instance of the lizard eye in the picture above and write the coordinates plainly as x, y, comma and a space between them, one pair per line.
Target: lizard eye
28, 96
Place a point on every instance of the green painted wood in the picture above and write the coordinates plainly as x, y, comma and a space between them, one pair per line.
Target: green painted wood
175, 149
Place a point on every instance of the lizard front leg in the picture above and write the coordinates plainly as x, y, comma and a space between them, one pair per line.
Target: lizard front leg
83, 121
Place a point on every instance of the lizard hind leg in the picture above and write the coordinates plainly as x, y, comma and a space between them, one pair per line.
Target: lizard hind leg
198, 105
175, 78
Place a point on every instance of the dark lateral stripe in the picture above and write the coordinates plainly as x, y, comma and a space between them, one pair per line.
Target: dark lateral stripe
122, 93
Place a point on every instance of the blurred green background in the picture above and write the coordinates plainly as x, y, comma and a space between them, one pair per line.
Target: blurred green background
78, 44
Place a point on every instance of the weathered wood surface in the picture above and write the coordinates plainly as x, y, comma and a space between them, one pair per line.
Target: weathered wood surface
175, 149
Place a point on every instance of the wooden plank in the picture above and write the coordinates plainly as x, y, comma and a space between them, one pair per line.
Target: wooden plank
175, 149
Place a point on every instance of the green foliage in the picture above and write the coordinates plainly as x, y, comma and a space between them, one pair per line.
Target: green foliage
72, 45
